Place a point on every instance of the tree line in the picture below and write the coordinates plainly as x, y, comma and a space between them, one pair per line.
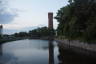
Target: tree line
36, 33
77, 20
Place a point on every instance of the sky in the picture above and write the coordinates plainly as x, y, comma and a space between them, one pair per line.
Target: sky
30, 13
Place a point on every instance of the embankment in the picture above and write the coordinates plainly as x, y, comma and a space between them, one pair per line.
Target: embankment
78, 47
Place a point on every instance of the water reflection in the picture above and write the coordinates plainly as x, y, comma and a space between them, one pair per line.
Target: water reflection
0, 49
27, 51
40, 52
51, 52
69, 57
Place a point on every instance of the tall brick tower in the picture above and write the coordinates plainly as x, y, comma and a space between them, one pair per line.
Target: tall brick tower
50, 20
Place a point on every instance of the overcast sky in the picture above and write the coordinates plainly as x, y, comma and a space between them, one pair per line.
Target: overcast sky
30, 13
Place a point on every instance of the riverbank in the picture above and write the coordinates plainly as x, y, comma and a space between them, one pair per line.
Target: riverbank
78, 47
9, 40
19, 38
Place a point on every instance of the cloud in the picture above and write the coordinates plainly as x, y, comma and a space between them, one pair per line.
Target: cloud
6, 16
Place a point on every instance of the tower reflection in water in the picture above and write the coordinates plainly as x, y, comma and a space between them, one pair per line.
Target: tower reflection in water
0, 49
70, 57
51, 52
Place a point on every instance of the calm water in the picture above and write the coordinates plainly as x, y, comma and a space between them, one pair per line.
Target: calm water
39, 52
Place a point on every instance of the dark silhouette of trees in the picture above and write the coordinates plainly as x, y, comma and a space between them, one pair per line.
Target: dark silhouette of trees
78, 20
21, 34
36, 33
41, 32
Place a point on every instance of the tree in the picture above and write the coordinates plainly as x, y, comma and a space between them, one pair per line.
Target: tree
21, 34
77, 20
40, 32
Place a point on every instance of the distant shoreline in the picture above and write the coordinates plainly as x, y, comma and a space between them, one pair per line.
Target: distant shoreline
15, 39
7, 40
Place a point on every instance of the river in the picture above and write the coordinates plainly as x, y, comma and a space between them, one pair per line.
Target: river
39, 52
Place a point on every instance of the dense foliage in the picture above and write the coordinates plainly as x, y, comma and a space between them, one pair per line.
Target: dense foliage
41, 32
77, 20
21, 34
36, 33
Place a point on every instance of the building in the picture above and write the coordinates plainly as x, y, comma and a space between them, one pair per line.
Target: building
50, 20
